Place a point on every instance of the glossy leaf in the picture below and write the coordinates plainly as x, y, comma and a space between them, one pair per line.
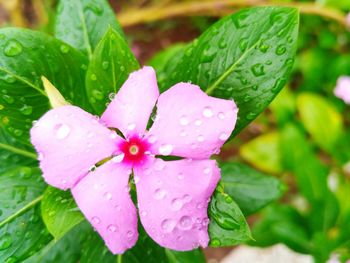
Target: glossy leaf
59, 211
22, 231
185, 257
166, 60
247, 57
109, 67
251, 189
227, 226
321, 119
82, 23
23, 99
263, 153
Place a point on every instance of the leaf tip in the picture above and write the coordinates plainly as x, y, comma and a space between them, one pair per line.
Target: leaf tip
55, 97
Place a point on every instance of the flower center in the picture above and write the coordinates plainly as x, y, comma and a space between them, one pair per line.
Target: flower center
134, 150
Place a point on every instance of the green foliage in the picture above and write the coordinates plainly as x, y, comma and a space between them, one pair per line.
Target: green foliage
82, 23
229, 61
251, 189
110, 65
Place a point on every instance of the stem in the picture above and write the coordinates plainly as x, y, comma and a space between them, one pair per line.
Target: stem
120, 259
22, 210
218, 8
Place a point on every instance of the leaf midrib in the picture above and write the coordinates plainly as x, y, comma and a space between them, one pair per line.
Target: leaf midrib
85, 31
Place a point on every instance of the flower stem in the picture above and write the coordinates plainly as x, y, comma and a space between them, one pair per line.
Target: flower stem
133, 17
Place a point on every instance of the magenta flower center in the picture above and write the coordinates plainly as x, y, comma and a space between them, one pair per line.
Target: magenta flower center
134, 150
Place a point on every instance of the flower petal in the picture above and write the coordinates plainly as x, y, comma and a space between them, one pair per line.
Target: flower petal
133, 104
103, 197
173, 199
190, 123
69, 142
342, 90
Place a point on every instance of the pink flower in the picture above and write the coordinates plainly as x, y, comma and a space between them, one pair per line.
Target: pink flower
342, 90
172, 196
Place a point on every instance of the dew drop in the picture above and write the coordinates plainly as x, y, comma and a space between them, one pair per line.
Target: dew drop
185, 222
64, 49
159, 194
93, 77
200, 138
8, 99
168, 225
183, 133
105, 65
130, 233
258, 70
131, 126
215, 242
13, 48
207, 112
159, 165
243, 44
221, 115
112, 228
62, 131
184, 121
165, 149
111, 96
107, 196
152, 138
26, 110
176, 204
180, 176
95, 220
223, 136
280, 50
198, 122
207, 170
5, 241
143, 213
118, 158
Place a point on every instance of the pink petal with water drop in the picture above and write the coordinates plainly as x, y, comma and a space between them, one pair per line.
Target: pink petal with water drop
103, 197
69, 141
132, 106
173, 199
190, 123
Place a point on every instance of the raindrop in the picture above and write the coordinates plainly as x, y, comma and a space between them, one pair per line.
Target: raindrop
200, 138
95, 220
131, 126
18, 132
198, 122
228, 199
62, 131
222, 43
152, 138
26, 110
207, 170
113, 135
159, 165
93, 77
64, 49
176, 204
243, 44
143, 213
112, 228
159, 194
180, 176
258, 69
130, 233
122, 68
97, 94
215, 242
207, 112
221, 115
136, 179
8, 99
185, 222
251, 116
118, 208
9, 79
223, 136
183, 134
168, 225
108, 196
184, 121
5, 241
118, 158
166, 149
13, 48
105, 65
111, 96
280, 50
205, 221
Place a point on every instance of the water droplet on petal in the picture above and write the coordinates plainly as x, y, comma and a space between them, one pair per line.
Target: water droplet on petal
185, 222
118, 208
95, 220
152, 138
62, 131
168, 225
176, 204
207, 170
180, 176
200, 138
112, 228
166, 149
111, 96
221, 115
118, 158
208, 112
183, 134
184, 121
223, 136
159, 194
108, 196
131, 126
130, 233
143, 213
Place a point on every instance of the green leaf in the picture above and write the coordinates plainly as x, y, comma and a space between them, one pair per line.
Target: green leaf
59, 211
67, 249
82, 23
110, 66
22, 231
284, 106
299, 157
263, 153
23, 99
185, 257
321, 119
165, 61
227, 226
251, 189
282, 224
247, 56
